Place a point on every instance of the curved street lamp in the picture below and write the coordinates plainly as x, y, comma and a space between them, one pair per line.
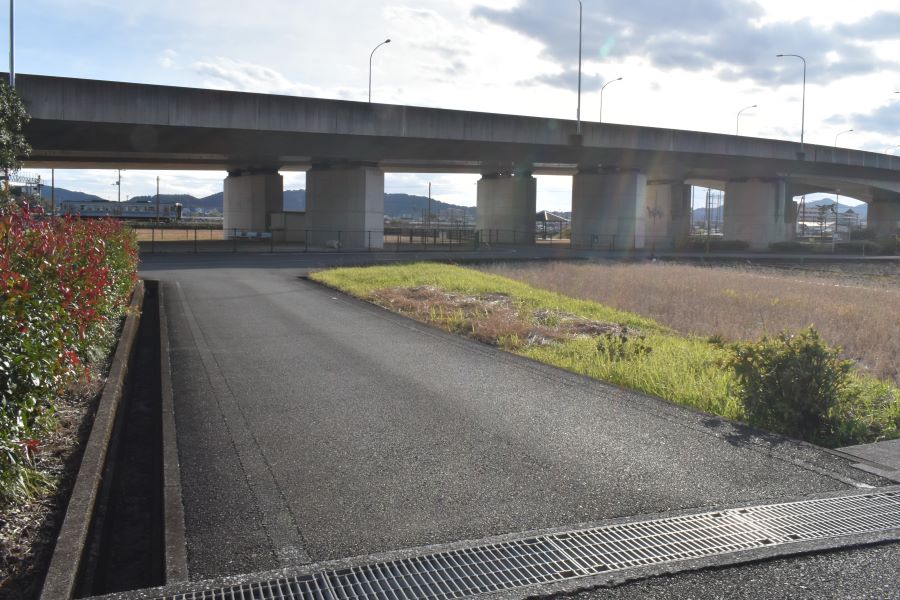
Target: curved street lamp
601, 95
578, 112
839, 135
387, 41
737, 128
889, 148
803, 106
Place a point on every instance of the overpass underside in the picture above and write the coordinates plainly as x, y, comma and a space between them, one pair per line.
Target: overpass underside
630, 184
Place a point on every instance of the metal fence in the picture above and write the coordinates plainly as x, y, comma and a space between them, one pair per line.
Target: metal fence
390, 239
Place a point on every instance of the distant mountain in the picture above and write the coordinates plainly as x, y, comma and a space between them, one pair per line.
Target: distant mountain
406, 206
396, 206
64, 195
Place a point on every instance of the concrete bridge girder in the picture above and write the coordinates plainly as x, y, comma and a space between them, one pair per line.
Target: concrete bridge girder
506, 207
757, 212
249, 199
345, 203
884, 214
609, 209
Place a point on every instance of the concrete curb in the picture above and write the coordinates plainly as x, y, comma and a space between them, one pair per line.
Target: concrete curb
65, 563
173, 508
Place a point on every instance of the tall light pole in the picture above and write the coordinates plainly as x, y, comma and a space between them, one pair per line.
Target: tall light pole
737, 127
118, 184
12, 43
837, 217
840, 134
601, 95
803, 105
578, 112
387, 41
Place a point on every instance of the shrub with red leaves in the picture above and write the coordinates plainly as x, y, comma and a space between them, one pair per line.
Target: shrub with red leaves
64, 285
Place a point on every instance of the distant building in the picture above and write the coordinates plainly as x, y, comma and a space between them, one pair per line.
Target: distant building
818, 220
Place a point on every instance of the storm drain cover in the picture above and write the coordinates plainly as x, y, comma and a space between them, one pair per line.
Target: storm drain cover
579, 553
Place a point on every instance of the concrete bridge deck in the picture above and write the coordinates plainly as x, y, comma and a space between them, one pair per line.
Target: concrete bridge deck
629, 182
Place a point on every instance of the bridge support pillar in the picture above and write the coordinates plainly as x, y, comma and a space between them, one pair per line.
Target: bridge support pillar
249, 199
668, 210
756, 211
609, 210
345, 204
507, 205
884, 215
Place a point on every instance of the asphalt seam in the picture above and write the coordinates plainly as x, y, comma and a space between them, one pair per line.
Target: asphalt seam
669, 411
249, 453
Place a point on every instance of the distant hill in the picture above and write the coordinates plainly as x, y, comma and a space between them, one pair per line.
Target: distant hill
396, 206
406, 206
64, 195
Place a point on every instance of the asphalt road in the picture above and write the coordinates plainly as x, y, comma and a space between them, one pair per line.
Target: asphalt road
312, 426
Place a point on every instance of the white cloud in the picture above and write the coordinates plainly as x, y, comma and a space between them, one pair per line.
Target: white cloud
238, 75
168, 59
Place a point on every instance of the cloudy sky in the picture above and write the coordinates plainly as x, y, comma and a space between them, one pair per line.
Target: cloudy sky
687, 64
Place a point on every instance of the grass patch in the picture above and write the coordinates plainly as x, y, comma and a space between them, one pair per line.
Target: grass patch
595, 340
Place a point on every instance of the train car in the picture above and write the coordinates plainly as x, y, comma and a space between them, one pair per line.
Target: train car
127, 211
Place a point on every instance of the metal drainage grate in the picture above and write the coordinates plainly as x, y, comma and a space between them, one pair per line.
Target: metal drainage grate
561, 556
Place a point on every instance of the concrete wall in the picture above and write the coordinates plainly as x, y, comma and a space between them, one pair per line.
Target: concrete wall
507, 205
345, 204
884, 216
288, 226
756, 212
609, 209
668, 207
249, 199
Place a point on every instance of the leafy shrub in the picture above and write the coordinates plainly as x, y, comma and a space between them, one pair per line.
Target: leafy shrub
792, 383
64, 284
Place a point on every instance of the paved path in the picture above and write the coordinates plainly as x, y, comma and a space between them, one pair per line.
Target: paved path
312, 426
882, 458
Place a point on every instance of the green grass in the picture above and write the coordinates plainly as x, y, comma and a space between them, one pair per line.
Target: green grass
363, 281
683, 369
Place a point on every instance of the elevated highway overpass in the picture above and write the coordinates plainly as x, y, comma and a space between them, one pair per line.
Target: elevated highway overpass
630, 184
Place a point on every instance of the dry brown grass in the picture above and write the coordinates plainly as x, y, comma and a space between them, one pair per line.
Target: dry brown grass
164, 234
491, 318
858, 311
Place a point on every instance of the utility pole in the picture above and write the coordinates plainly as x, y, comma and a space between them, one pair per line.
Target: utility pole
118, 184
157, 199
429, 204
52, 192
12, 44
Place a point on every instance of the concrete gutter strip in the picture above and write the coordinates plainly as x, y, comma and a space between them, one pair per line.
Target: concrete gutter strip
173, 518
65, 564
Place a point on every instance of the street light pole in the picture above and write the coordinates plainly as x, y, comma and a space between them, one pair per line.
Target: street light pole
889, 148
12, 44
737, 128
578, 112
840, 134
803, 105
837, 213
601, 96
387, 41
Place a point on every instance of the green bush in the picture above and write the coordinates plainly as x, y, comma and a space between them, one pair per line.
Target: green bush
64, 284
792, 383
